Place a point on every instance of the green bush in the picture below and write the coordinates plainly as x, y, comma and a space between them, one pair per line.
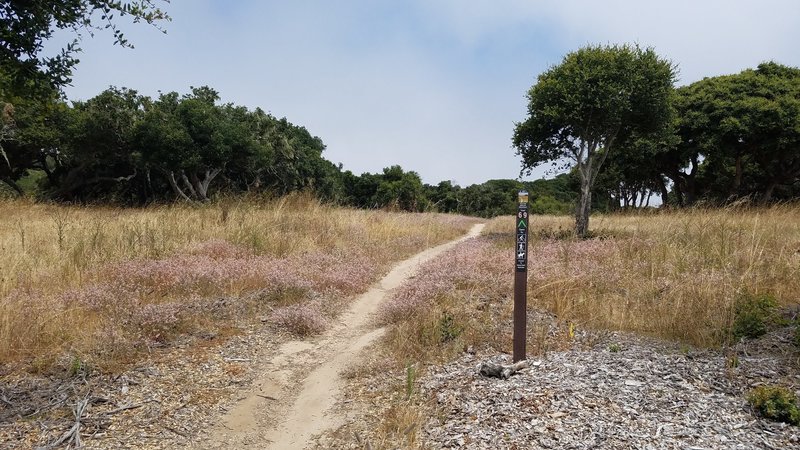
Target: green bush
775, 403
448, 328
753, 314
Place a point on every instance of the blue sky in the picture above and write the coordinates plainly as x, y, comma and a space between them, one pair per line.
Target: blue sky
435, 85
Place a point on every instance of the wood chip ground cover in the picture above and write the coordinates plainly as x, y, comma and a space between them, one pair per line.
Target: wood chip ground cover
648, 394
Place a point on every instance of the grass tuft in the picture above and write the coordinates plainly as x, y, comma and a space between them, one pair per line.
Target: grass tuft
301, 320
753, 315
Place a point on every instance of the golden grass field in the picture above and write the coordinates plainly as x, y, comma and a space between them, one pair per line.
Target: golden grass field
674, 275
104, 284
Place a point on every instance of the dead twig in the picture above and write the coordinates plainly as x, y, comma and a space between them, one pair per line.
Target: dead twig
178, 432
5, 400
127, 407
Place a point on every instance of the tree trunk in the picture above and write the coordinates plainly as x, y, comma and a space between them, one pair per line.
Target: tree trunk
188, 184
201, 186
46, 168
690, 184
149, 183
583, 209
765, 199
197, 186
737, 179
664, 193
677, 187
689, 194
175, 187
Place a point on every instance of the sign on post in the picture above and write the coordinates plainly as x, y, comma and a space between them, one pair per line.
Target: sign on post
521, 278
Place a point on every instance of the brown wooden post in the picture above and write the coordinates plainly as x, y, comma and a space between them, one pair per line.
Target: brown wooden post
521, 278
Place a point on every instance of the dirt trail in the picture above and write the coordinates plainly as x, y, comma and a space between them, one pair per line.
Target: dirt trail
292, 400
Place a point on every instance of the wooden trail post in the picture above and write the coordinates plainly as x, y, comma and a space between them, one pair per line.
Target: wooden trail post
521, 278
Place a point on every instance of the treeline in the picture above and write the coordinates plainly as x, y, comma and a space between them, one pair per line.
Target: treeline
127, 148
124, 147
397, 189
733, 137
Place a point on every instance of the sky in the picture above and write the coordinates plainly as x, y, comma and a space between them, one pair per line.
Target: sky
435, 86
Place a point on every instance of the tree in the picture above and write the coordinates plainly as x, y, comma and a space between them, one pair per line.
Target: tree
632, 175
746, 127
490, 199
93, 152
773, 108
589, 104
191, 140
444, 196
400, 190
26, 24
553, 196
29, 80
31, 129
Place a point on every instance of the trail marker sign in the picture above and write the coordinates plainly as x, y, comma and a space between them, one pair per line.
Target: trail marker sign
521, 278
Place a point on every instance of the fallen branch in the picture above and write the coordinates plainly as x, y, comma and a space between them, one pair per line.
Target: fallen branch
501, 371
73, 434
123, 408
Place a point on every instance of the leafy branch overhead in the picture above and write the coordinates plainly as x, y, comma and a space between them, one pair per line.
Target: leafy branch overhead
25, 26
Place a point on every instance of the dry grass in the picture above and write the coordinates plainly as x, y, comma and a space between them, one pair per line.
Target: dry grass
674, 275
103, 284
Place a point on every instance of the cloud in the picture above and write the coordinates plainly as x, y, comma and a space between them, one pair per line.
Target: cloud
706, 38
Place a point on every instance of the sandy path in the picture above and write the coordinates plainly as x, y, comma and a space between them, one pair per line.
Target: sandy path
293, 398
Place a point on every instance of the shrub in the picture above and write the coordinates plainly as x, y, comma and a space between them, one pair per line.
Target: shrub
753, 315
302, 320
775, 403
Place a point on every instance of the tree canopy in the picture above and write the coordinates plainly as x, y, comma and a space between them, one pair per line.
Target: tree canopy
746, 129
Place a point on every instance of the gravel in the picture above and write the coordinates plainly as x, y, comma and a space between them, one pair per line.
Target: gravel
647, 395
